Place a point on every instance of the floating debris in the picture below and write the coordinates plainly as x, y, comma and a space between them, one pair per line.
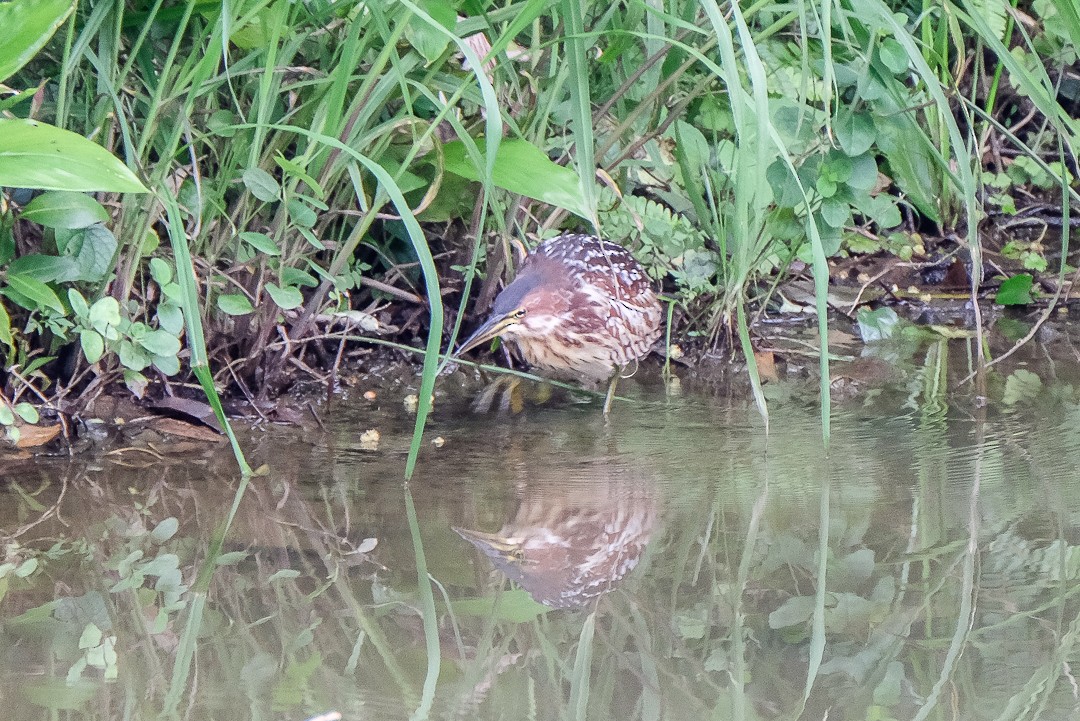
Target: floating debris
369, 440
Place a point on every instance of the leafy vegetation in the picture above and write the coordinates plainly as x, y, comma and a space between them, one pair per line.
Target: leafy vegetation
292, 151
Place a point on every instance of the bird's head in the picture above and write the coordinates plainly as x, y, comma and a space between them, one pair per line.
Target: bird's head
524, 308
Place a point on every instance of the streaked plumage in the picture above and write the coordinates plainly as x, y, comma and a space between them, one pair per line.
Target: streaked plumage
579, 308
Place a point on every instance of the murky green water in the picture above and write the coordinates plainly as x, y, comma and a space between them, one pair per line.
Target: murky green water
668, 564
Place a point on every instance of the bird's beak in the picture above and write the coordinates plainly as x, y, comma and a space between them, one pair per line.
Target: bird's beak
492, 327
491, 544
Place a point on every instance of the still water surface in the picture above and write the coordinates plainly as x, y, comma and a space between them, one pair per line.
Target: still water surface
671, 563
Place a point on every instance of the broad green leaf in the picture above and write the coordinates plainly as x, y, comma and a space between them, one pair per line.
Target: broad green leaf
27, 26
835, 212
1069, 15
132, 356
105, 312
295, 276
160, 342
301, 213
286, 298
78, 303
260, 242
521, 167
165, 530
855, 131
93, 345
167, 364
27, 412
234, 304
37, 155
1015, 291
7, 417
795, 610
160, 271
893, 56
261, 184
1021, 385
170, 317
46, 268
64, 209
876, 325
93, 249
34, 290
430, 41
911, 164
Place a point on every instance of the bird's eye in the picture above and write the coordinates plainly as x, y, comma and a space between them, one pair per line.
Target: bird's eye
519, 313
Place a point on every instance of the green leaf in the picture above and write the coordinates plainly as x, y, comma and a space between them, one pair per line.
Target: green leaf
160, 342
28, 25
310, 238
795, 610
261, 184
167, 364
105, 312
93, 345
221, 122
78, 303
1015, 291
160, 272
295, 276
132, 356
1021, 385
875, 325
855, 131
301, 213
34, 290
521, 167
7, 418
46, 268
64, 209
260, 242
38, 155
430, 41
283, 574
293, 169
286, 298
234, 304
170, 317
5, 329
893, 56
835, 212
93, 249
165, 530
27, 412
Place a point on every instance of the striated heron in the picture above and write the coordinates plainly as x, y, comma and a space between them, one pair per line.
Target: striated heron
580, 308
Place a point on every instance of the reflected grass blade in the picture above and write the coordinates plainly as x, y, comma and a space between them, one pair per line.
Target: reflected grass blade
430, 618
581, 675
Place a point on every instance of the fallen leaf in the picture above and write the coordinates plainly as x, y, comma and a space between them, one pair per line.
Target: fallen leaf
33, 436
182, 429
766, 365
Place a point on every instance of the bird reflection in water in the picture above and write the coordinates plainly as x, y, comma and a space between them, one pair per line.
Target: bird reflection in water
575, 538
